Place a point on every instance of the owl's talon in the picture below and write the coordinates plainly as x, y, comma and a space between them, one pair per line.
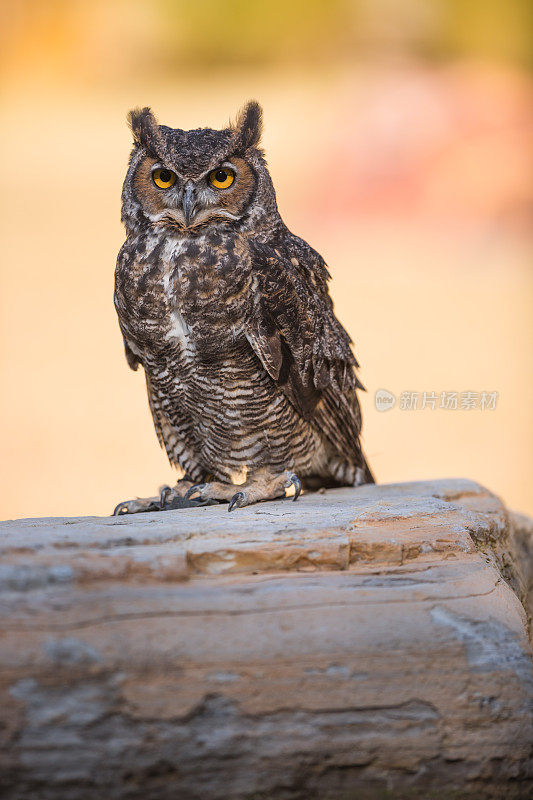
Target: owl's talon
169, 499
238, 500
294, 480
165, 491
194, 489
134, 506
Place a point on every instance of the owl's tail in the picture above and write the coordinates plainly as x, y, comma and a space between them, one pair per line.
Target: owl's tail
368, 474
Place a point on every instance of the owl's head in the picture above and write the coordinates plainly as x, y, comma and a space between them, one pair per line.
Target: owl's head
189, 180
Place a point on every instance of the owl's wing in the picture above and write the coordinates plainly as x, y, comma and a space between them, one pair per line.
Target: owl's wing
300, 342
131, 358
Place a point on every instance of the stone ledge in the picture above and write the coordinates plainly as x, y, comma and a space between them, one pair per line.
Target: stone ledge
362, 643
389, 524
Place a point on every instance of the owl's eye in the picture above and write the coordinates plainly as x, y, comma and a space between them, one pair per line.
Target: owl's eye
164, 178
221, 178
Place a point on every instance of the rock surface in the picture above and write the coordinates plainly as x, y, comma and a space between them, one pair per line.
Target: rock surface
363, 643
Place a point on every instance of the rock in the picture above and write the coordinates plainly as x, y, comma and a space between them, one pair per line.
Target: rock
362, 643
522, 555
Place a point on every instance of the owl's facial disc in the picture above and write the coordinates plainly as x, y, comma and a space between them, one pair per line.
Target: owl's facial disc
192, 202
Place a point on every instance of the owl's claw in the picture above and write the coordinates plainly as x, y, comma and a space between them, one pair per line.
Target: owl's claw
196, 489
294, 480
263, 486
134, 506
238, 500
165, 492
202, 494
169, 499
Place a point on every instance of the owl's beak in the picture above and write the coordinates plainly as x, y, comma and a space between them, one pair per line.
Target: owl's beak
188, 202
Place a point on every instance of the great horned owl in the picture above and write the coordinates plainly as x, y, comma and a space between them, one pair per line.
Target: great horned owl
250, 376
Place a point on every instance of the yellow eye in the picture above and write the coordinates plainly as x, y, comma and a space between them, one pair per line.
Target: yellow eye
164, 178
221, 178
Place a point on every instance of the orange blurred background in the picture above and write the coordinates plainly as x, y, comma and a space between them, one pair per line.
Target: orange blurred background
399, 137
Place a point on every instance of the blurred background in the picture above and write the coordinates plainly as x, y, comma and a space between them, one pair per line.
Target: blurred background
399, 136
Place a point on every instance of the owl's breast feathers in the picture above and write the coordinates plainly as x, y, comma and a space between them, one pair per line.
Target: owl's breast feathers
164, 287
207, 295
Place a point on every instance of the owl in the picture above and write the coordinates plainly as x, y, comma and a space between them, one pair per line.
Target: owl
250, 376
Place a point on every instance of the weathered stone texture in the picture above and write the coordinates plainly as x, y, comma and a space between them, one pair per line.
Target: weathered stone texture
363, 643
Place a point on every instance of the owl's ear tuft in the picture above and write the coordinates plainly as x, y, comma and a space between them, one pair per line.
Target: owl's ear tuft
143, 125
249, 126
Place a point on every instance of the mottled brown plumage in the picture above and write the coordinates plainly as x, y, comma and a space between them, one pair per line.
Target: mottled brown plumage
250, 376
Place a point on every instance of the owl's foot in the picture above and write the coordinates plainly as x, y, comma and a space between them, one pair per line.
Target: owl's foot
262, 486
169, 498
